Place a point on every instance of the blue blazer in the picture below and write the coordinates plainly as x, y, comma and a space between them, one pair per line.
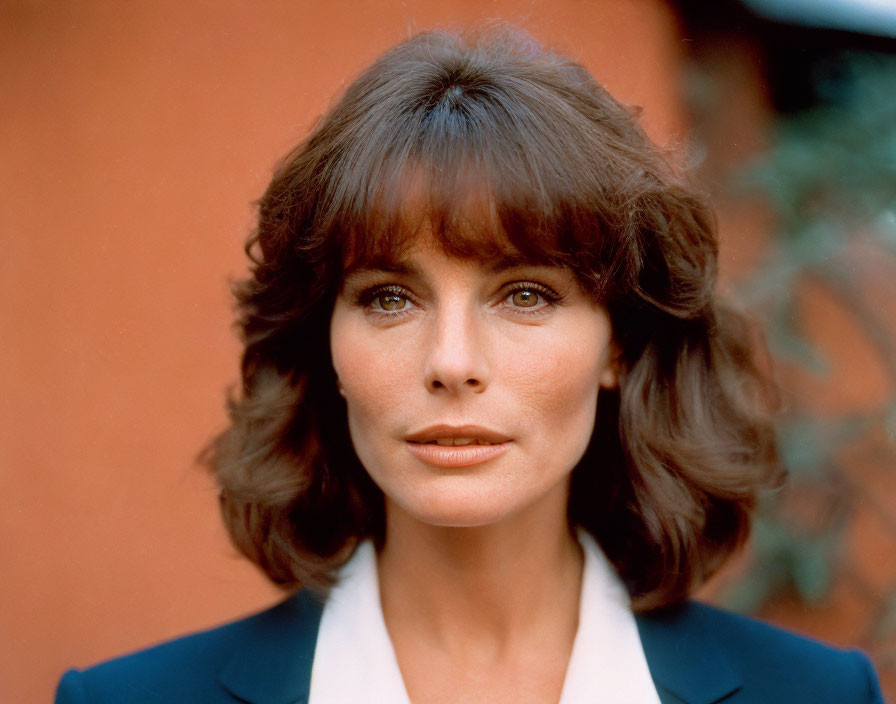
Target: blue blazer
696, 655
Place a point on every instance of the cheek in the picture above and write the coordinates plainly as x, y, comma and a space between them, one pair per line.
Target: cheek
370, 375
558, 385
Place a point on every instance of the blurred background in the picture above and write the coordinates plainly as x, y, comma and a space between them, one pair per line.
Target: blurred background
135, 136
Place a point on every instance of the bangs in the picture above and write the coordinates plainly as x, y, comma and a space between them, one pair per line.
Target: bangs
457, 210
456, 158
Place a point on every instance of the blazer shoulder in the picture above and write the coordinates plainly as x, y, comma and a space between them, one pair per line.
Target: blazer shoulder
194, 667
775, 664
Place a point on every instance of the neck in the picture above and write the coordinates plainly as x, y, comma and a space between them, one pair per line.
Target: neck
483, 588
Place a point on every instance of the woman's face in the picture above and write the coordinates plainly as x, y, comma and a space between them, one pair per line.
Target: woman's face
471, 386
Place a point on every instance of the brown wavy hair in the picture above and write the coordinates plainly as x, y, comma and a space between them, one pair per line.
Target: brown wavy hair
511, 147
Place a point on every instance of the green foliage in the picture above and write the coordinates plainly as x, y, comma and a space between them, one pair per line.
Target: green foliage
833, 169
789, 559
830, 177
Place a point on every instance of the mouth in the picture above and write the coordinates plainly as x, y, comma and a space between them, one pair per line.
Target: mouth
454, 442
454, 446
457, 435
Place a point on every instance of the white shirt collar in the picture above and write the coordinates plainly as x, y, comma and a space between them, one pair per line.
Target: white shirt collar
354, 660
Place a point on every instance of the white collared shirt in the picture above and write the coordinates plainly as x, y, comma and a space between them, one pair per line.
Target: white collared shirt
354, 660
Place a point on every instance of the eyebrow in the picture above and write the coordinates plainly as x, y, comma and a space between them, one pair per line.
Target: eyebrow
407, 268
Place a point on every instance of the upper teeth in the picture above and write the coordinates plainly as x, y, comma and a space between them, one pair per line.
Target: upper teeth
460, 441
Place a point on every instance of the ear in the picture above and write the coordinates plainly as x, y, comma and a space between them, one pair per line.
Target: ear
609, 375
339, 387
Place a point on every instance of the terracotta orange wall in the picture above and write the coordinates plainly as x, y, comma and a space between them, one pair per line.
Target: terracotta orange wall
134, 137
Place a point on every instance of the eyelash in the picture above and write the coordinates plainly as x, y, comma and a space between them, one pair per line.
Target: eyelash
549, 295
366, 298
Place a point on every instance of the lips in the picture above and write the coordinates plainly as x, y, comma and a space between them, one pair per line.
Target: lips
457, 435
458, 441
457, 446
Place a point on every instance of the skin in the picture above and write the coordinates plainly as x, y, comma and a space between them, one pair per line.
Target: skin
479, 573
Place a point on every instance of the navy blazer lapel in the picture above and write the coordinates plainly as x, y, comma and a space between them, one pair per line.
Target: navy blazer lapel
684, 657
271, 663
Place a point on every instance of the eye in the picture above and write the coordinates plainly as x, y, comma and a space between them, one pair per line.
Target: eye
530, 297
388, 300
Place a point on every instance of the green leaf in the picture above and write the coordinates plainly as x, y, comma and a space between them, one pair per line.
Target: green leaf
812, 570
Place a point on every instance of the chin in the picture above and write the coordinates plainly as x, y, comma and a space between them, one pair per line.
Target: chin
456, 506
461, 517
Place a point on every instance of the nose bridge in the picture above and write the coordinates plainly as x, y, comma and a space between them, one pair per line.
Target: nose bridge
456, 358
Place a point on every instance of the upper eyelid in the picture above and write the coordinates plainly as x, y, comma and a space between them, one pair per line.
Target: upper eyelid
513, 286
368, 293
366, 296
549, 293
524, 284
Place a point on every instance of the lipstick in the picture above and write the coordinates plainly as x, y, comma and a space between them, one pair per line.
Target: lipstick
456, 455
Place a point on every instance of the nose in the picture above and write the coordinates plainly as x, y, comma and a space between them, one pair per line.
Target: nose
456, 360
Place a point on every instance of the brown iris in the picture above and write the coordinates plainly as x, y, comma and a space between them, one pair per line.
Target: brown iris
392, 301
525, 298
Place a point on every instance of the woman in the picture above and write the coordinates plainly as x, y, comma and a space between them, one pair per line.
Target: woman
494, 425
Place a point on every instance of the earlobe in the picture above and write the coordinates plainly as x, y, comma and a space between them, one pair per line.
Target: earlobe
609, 379
340, 388
609, 376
